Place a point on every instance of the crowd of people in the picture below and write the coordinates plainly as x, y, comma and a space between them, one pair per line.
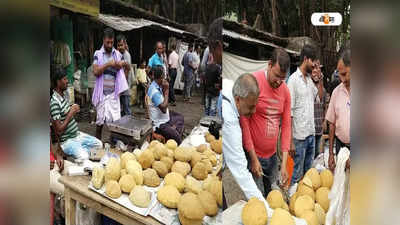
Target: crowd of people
155, 79
262, 107
155, 85
258, 109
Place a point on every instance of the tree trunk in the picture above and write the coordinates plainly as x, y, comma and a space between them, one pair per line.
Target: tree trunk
192, 10
213, 15
258, 22
166, 9
315, 34
240, 10
204, 13
275, 19
156, 9
198, 11
174, 10
302, 18
242, 15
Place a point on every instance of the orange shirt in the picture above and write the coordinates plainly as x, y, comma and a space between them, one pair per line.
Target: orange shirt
260, 131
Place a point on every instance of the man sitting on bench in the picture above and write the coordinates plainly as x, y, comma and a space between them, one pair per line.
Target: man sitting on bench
167, 123
73, 142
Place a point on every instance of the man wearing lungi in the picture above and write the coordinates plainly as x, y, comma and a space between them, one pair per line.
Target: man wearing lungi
110, 82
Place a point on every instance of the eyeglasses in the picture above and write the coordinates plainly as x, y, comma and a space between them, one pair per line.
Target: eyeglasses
316, 66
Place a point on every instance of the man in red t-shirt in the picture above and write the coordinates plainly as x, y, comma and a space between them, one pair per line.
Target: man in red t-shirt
261, 130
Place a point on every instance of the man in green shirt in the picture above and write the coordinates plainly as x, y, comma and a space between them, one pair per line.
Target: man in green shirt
73, 142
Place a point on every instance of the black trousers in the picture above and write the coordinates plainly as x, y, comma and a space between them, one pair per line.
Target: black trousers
340, 144
172, 77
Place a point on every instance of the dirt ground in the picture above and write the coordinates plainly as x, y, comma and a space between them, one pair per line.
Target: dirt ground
232, 191
192, 114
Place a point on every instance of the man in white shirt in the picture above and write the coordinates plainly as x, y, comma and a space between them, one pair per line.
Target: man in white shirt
125, 97
303, 92
196, 63
239, 99
173, 62
196, 57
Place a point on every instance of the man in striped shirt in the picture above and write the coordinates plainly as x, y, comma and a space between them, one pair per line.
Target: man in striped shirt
73, 142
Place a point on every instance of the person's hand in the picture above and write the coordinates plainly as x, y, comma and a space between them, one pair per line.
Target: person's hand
118, 65
111, 63
165, 85
256, 168
324, 126
75, 108
348, 164
284, 176
51, 165
292, 150
331, 162
60, 162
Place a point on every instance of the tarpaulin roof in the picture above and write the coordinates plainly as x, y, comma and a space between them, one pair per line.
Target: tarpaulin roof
238, 36
127, 23
234, 65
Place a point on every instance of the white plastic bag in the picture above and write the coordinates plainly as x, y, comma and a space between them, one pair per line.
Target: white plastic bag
55, 186
339, 209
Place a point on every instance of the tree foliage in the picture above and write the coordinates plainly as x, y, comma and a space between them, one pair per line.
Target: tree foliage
183, 11
290, 18
284, 18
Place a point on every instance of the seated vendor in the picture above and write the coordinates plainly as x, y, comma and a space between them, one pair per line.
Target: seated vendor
73, 142
167, 123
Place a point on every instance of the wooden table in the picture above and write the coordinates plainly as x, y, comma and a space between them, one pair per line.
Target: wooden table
76, 190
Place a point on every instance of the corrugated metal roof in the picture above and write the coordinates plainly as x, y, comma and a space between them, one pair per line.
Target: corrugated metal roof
128, 23
238, 36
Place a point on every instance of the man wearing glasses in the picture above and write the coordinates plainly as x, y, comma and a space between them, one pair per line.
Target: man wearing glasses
303, 92
261, 130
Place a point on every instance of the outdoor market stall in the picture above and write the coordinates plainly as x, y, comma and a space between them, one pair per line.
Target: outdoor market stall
148, 185
76, 190
322, 197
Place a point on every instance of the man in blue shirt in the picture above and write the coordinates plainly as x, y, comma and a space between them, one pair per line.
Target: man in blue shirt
167, 123
188, 73
156, 59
